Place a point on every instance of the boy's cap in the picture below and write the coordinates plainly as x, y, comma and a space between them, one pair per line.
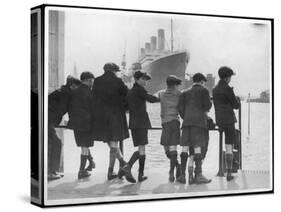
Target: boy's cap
86, 75
198, 77
141, 74
70, 80
111, 67
173, 80
225, 72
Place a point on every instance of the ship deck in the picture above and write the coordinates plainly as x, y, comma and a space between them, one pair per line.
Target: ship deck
98, 189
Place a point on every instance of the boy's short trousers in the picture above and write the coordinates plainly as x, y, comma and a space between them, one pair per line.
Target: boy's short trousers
229, 133
83, 138
194, 137
139, 136
170, 133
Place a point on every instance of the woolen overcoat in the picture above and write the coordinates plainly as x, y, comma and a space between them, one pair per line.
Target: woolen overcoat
138, 116
224, 101
193, 105
109, 118
80, 109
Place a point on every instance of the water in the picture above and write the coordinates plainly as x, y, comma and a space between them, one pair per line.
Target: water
255, 148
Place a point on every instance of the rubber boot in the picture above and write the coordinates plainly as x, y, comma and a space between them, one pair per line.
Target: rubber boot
228, 162
199, 178
184, 157
141, 168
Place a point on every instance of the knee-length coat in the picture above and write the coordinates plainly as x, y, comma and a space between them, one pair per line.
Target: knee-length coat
80, 109
109, 115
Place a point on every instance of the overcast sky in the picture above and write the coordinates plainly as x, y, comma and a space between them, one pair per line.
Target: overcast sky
94, 37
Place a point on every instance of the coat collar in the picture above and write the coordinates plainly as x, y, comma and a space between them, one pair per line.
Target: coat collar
136, 85
222, 82
196, 84
84, 86
109, 73
171, 90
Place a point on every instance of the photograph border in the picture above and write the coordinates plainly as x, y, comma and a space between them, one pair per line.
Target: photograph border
44, 134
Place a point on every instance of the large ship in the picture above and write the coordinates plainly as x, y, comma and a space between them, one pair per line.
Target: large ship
160, 62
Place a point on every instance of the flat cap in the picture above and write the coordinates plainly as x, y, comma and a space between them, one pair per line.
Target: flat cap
225, 72
141, 74
198, 77
86, 75
111, 67
70, 80
173, 80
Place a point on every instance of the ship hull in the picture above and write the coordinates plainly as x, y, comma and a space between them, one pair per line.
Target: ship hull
159, 69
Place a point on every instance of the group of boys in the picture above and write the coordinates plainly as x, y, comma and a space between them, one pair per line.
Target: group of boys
97, 112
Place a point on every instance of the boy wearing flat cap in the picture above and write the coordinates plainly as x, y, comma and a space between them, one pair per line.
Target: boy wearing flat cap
194, 103
170, 136
58, 104
110, 124
139, 122
225, 102
80, 120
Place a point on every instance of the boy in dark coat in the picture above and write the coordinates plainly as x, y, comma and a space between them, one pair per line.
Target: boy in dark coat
110, 124
58, 103
193, 106
139, 122
170, 136
80, 120
225, 102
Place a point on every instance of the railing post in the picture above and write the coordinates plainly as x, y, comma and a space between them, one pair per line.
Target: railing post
220, 172
240, 137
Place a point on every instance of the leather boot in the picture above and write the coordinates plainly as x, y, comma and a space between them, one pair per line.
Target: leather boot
184, 157
199, 178
229, 161
83, 174
141, 168
127, 173
110, 174
190, 175
92, 164
173, 162
133, 159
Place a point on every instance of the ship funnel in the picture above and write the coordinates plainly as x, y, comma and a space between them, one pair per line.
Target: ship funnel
153, 41
161, 39
147, 47
142, 51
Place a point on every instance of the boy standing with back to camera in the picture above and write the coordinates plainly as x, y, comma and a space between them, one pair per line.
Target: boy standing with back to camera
139, 122
193, 106
170, 136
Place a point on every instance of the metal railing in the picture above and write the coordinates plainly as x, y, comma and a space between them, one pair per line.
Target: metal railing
221, 152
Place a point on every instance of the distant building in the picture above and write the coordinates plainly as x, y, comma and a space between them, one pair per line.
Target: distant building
210, 83
264, 97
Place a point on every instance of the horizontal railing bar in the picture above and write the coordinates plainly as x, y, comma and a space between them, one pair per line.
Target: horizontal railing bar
153, 128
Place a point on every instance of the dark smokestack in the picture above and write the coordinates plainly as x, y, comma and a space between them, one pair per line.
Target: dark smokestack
142, 51
153, 41
210, 83
161, 39
147, 47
